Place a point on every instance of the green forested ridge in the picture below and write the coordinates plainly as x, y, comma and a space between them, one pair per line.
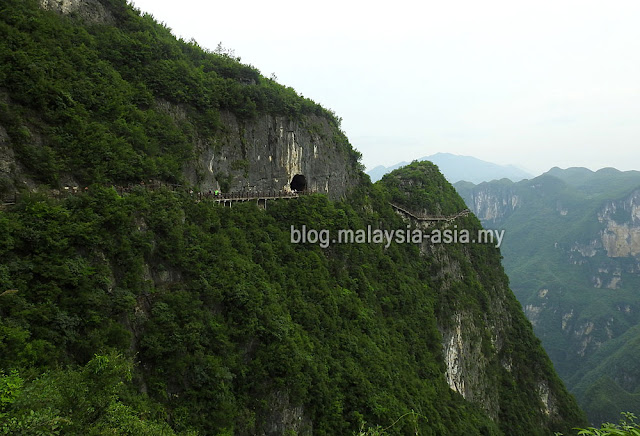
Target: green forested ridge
583, 302
480, 293
220, 313
151, 313
607, 382
248, 314
420, 187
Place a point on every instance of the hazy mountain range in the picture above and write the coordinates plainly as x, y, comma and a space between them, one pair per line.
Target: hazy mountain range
456, 168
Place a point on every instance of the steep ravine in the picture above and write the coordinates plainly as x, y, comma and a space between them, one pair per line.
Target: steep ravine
572, 250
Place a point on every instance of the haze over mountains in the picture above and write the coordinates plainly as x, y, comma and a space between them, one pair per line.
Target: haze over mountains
456, 168
572, 253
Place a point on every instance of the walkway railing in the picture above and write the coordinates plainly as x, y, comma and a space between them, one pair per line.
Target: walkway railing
431, 218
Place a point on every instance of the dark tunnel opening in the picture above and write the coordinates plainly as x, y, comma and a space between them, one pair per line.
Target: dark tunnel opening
298, 183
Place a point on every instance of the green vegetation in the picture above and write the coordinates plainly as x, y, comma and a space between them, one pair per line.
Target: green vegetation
235, 314
218, 317
627, 427
87, 400
421, 188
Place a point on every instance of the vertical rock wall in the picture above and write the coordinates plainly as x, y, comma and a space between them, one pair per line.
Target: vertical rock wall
264, 154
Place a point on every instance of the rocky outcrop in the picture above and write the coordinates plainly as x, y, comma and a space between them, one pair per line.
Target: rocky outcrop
283, 418
492, 204
92, 11
546, 398
265, 153
7, 157
466, 365
621, 236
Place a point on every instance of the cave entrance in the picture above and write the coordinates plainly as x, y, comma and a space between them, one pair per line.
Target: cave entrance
298, 183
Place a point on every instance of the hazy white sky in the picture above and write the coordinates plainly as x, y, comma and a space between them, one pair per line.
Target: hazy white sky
533, 83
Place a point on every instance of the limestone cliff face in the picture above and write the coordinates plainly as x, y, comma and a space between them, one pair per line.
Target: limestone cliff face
264, 154
618, 240
621, 235
491, 204
466, 366
246, 156
91, 11
476, 348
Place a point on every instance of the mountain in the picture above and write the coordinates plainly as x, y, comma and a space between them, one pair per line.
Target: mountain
135, 301
379, 171
109, 105
572, 253
461, 168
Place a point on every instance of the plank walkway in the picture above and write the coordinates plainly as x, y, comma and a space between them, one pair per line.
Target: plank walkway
430, 218
259, 197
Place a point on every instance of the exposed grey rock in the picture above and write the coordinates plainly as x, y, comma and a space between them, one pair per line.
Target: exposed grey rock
264, 154
92, 11
284, 418
622, 239
7, 157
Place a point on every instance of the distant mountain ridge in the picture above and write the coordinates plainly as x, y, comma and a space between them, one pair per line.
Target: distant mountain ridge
461, 168
572, 253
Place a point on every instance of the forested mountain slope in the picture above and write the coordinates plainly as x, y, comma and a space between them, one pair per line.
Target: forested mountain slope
157, 311
115, 98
